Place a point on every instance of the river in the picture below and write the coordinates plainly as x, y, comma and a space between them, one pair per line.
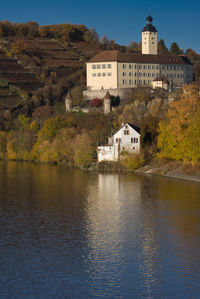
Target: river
65, 233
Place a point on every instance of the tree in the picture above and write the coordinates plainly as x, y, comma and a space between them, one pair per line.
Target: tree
115, 101
94, 34
179, 133
83, 150
133, 47
104, 40
162, 47
174, 49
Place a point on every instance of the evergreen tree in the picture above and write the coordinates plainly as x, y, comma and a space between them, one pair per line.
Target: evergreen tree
174, 49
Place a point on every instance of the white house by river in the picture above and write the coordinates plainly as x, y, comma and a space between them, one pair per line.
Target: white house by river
127, 139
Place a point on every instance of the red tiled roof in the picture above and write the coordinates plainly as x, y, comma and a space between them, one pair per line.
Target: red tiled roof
111, 56
163, 79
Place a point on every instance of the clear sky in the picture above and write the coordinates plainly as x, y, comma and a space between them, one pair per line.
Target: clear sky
119, 20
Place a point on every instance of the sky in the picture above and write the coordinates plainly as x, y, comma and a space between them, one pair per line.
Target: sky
123, 21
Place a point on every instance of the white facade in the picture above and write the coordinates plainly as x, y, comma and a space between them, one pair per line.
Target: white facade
131, 75
102, 75
126, 139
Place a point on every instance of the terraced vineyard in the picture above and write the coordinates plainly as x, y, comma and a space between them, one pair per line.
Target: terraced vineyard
29, 69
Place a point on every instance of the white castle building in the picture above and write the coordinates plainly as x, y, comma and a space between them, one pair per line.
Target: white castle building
116, 71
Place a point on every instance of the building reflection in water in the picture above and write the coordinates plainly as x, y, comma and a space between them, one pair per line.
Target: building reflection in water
113, 234
121, 240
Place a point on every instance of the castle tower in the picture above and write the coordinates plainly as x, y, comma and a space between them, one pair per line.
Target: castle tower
68, 102
149, 38
107, 103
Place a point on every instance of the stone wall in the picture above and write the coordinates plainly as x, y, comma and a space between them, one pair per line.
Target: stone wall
100, 94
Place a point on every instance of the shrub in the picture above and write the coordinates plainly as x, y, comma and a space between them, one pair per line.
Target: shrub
132, 161
96, 102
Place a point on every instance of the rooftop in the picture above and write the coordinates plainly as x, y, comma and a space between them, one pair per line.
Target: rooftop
115, 55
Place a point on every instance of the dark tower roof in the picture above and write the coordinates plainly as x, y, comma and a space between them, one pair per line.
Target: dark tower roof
149, 19
149, 26
68, 96
107, 96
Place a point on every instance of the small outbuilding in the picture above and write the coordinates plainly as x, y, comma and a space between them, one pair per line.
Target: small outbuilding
160, 82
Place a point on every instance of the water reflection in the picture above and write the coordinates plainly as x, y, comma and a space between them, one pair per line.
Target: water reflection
65, 233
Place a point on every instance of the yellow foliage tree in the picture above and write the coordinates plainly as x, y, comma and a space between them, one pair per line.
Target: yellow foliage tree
179, 133
83, 150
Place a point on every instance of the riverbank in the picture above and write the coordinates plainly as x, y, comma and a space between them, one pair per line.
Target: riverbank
164, 168
172, 170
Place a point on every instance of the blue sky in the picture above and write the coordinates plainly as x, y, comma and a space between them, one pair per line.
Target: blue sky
119, 20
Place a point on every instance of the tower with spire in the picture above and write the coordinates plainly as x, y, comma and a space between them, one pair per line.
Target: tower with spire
149, 38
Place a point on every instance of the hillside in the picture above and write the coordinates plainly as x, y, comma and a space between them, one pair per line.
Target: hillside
39, 64
37, 68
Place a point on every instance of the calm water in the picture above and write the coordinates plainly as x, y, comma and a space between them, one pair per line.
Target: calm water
69, 234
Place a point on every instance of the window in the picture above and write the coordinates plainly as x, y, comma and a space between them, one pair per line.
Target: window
118, 140
130, 82
99, 74
104, 74
123, 66
134, 140
135, 81
124, 74
103, 66
98, 66
149, 67
109, 66
130, 74
94, 66
109, 74
126, 132
124, 82
130, 66
93, 74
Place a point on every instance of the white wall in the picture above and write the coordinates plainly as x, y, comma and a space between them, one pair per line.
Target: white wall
126, 144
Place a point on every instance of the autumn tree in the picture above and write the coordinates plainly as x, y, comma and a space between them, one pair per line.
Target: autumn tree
179, 133
83, 150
